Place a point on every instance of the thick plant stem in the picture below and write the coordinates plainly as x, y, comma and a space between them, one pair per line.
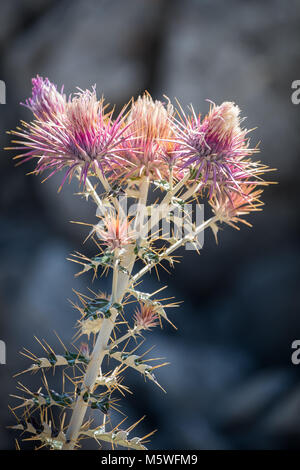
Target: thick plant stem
88, 383
119, 287
93, 368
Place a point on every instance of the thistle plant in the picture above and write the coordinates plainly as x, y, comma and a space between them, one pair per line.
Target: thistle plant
150, 151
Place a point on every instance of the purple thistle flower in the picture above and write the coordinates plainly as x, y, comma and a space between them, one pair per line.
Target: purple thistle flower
216, 149
78, 134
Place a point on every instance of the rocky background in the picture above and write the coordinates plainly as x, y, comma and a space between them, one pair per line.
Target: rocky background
231, 383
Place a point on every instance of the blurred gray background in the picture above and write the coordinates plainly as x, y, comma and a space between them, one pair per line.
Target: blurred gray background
231, 383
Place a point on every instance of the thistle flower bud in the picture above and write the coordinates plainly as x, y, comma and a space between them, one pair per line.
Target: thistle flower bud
230, 209
114, 232
84, 350
146, 316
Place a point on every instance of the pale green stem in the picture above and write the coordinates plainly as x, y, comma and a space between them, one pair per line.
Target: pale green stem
103, 180
91, 374
120, 284
93, 193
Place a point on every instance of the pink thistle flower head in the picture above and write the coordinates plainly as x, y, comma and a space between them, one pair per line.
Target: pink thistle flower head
149, 124
230, 209
216, 149
146, 316
46, 101
84, 350
81, 135
114, 231
87, 130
